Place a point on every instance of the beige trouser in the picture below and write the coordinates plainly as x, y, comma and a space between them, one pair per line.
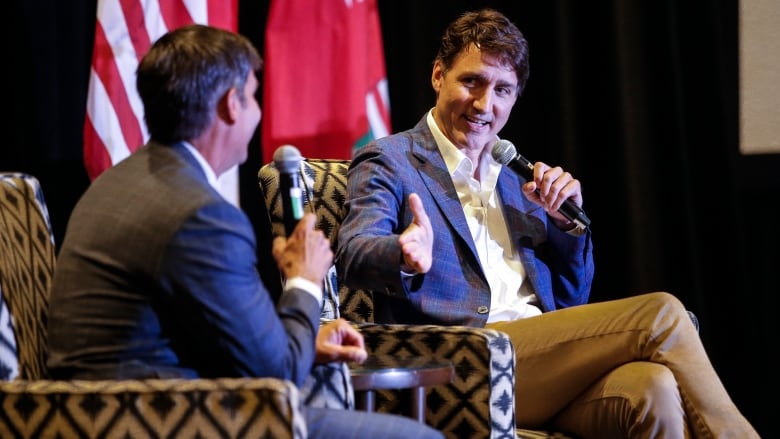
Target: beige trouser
628, 368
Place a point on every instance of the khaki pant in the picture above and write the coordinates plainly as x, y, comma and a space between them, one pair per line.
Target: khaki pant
631, 368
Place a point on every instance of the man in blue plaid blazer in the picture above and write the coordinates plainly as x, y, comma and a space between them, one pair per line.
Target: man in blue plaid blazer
444, 234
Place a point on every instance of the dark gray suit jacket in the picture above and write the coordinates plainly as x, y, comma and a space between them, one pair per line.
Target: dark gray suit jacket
455, 291
156, 277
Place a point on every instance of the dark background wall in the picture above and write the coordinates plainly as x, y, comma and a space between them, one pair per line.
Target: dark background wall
637, 99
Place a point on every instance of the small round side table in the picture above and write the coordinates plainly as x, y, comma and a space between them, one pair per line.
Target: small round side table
386, 372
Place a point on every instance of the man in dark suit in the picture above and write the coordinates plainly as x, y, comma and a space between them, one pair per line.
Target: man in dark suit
156, 277
443, 234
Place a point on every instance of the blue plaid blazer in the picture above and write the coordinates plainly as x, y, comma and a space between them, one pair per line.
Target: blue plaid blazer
455, 291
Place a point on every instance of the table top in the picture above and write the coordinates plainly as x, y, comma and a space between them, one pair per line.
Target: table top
388, 372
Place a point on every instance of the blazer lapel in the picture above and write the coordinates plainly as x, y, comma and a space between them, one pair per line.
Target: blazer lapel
521, 214
523, 223
434, 174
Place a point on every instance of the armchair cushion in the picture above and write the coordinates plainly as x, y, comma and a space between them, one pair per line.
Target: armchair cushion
218, 408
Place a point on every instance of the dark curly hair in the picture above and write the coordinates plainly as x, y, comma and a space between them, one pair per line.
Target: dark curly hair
491, 32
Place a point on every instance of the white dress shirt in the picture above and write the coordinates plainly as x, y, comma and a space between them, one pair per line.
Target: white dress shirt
510, 298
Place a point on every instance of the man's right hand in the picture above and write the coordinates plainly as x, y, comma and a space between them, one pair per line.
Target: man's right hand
337, 340
305, 253
417, 240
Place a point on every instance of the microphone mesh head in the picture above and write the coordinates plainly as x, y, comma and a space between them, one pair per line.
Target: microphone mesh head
503, 151
287, 159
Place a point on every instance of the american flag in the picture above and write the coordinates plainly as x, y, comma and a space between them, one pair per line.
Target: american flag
124, 31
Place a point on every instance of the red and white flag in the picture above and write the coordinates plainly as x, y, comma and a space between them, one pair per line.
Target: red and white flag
324, 81
125, 29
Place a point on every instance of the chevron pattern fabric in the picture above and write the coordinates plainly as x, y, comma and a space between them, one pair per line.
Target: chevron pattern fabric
33, 407
222, 408
329, 386
27, 264
325, 185
480, 400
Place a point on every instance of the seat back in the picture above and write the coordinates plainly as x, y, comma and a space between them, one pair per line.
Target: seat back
27, 255
325, 181
324, 193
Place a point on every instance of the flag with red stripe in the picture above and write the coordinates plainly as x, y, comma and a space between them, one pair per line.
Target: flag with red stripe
324, 82
124, 31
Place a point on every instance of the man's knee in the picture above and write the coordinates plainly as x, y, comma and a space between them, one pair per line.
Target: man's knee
654, 383
638, 399
664, 300
652, 403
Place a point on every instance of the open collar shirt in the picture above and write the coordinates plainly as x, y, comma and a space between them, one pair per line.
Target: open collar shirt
510, 296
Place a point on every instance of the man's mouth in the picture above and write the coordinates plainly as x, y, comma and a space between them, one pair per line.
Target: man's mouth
476, 121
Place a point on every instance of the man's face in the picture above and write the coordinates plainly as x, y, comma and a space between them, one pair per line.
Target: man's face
474, 98
248, 117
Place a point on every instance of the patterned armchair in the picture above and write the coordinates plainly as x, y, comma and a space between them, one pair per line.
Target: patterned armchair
479, 403
33, 406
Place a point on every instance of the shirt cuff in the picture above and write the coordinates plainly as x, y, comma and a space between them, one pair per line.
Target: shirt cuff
577, 230
306, 285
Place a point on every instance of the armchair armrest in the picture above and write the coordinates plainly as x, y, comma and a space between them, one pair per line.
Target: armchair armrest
480, 400
171, 408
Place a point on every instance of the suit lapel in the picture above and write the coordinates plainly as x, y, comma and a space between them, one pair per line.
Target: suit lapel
434, 174
522, 216
523, 225
519, 212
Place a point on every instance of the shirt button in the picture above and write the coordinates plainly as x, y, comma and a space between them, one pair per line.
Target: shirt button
482, 310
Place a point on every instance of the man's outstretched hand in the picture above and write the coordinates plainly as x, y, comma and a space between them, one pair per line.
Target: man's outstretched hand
417, 240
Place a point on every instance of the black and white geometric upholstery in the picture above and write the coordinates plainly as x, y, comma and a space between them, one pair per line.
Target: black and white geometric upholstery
32, 406
216, 408
479, 403
9, 365
26, 267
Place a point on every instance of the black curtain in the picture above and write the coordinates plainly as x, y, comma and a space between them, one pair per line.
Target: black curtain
639, 100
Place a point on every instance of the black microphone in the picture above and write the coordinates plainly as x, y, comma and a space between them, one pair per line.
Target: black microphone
287, 160
504, 152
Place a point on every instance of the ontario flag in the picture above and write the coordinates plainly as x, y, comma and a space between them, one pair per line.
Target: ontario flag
125, 29
324, 82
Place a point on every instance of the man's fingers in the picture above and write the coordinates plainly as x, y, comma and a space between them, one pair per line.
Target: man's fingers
355, 353
420, 216
278, 247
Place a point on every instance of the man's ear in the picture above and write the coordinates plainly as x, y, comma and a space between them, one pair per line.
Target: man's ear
437, 76
228, 106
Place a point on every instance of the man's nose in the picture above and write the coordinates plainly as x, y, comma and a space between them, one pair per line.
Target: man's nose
483, 99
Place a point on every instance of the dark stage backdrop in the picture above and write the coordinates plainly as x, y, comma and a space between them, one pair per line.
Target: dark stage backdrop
637, 99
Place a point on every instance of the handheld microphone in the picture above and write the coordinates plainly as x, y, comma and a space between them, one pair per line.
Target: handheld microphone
287, 160
504, 152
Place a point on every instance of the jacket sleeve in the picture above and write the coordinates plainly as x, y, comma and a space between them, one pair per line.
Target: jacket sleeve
223, 319
372, 223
